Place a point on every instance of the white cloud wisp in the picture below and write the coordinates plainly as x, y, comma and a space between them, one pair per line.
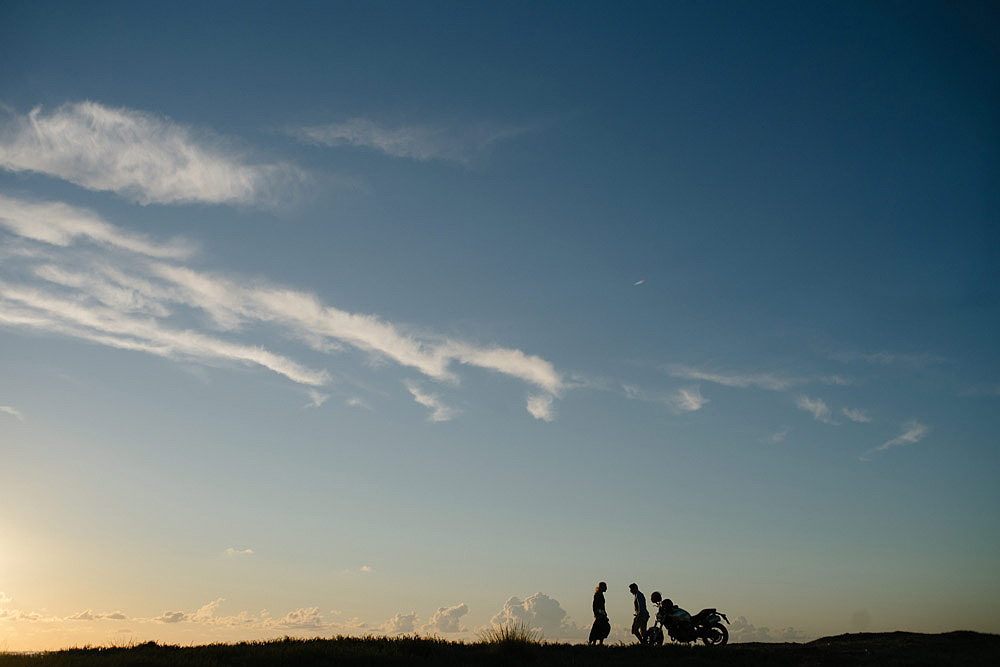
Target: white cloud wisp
133, 294
416, 142
689, 400
439, 411
58, 224
856, 415
913, 432
141, 156
16, 414
817, 407
768, 381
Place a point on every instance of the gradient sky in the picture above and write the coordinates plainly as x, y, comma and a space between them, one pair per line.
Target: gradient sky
383, 317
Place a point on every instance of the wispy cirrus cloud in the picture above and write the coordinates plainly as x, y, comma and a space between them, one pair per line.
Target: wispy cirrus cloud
540, 407
913, 431
982, 390
231, 303
440, 412
16, 414
58, 224
817, 407
684, 399
135, 294
856, 415
316, 399
886, 358
142, 156
689, 399
770, 381
454, 142
27, 307
778, 436
358, 402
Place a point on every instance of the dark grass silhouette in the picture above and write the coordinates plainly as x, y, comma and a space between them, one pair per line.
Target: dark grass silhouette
897, 649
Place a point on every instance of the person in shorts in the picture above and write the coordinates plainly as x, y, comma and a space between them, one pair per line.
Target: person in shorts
641, 615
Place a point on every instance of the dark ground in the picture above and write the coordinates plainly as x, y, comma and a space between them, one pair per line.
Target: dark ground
896, 649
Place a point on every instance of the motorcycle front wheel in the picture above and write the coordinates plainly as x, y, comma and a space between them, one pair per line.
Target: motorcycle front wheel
654, 636
715, 635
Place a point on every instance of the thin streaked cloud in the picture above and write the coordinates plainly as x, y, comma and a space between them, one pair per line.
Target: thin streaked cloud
817, 407
688, 399
59, 224
440, 412
141, 156
982, 390
886, 358
856, 415
316, 399
358, 402
913, 432
768, 380
13, 412
456, 142
778, 436
26, 307
135, 300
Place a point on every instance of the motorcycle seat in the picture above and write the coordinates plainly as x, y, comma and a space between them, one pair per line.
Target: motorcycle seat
704, 614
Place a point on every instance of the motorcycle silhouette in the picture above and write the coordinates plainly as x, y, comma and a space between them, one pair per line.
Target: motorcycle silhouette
682, 627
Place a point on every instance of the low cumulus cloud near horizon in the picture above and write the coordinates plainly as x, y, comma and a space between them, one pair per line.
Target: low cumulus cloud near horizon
742, 631
540, 613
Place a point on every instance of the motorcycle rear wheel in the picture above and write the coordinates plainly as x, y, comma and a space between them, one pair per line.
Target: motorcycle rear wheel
715, 635
654, 636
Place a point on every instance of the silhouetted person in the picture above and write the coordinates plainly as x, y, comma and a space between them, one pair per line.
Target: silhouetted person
602, 626
641, 615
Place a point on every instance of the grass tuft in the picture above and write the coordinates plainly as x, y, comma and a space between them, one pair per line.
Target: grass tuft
510, 634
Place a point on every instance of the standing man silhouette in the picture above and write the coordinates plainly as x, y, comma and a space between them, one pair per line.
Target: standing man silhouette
641, 615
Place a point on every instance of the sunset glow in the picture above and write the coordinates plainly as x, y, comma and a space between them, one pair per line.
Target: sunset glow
417, 318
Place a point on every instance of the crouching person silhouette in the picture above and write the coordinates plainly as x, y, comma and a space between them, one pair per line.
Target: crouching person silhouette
641, 615
602, 627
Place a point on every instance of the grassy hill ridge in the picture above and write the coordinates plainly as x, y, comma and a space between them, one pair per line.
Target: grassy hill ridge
864, 649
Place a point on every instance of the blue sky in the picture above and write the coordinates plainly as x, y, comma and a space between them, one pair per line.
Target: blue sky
382, 317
